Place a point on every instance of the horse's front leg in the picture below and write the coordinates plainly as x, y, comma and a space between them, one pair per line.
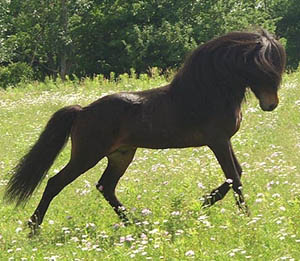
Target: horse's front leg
232, 170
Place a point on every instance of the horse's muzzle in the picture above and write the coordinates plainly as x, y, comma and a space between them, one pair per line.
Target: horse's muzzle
268, 102
269, 107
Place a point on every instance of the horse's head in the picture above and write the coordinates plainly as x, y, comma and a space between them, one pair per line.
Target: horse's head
265, 63
268, 97
225, 66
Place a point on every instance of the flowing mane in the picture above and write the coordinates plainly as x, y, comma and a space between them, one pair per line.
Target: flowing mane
219, 71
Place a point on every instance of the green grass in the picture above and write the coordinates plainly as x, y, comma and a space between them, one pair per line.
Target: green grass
161, 188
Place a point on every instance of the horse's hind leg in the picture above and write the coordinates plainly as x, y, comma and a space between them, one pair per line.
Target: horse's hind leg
118, 162
55, 184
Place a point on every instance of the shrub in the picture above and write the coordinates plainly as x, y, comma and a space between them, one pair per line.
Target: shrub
14, 74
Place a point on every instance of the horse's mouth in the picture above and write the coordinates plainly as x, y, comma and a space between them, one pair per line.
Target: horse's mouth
268, 107
268, 101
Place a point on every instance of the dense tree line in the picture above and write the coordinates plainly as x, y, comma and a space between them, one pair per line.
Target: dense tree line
88, 37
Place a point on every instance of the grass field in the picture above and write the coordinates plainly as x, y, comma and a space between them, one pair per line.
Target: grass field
161, 188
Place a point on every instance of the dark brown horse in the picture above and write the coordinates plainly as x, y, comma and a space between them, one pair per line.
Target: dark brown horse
201, 106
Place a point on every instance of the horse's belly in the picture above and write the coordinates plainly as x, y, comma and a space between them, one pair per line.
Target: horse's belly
167, 139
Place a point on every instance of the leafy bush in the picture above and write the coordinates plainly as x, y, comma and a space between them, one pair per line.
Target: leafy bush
15, 73
289, 27
87, 38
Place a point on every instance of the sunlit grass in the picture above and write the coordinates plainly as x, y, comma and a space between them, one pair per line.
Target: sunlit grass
161, 188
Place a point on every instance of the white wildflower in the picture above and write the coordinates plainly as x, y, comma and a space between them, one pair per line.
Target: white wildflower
18, 229
146, 212
190, 253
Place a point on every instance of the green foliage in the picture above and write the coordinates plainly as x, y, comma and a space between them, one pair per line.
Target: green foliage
131, 34
40, 33
87, 38
14, 74
141, 34
289, 28
5, 53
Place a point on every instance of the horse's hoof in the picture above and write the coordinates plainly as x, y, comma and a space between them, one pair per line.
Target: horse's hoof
247, 211
207, 201
33, 226
244, 209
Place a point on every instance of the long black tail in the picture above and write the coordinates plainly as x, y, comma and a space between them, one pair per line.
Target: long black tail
34, 166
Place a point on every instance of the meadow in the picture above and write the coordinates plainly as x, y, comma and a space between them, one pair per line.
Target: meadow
162, 189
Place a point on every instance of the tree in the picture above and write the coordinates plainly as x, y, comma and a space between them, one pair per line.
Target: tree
289, 28
40, 34
141, 34
85, 37
5, 52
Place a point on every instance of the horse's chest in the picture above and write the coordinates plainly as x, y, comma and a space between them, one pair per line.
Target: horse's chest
231, 123
220, 127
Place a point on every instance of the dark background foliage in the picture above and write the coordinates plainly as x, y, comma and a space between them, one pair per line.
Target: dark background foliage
86, 38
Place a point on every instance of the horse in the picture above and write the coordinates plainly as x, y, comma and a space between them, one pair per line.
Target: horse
201, 106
